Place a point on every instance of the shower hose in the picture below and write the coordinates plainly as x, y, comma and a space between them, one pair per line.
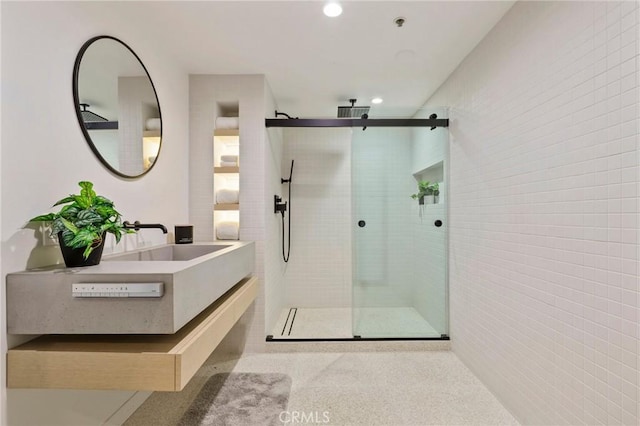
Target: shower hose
286, 258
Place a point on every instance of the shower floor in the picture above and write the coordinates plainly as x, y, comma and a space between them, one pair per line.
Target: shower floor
336, 323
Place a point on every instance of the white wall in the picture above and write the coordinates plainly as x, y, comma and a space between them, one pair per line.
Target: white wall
544, 211
44, 155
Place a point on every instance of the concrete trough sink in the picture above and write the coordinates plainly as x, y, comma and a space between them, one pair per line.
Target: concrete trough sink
114, 297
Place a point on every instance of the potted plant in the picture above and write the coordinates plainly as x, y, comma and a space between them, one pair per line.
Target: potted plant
423, 190
81, 226
435, 188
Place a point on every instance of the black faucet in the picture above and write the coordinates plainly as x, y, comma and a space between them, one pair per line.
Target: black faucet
137, 226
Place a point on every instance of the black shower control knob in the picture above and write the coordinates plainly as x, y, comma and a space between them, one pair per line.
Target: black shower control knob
361, 223
438, 223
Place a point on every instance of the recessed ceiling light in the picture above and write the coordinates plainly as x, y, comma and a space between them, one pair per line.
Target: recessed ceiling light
332, 10
405, 56
376, 100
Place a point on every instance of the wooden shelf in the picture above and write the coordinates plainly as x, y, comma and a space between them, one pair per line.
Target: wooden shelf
128, 362
226, 132
227, 206
151, 134
226, 169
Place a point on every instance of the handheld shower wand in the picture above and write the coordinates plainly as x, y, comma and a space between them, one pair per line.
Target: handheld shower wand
280, 207
283, 180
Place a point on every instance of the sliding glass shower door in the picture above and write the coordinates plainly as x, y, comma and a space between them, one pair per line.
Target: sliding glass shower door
399, 246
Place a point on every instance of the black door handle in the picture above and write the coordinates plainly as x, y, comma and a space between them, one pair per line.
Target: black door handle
362, 223
438, 223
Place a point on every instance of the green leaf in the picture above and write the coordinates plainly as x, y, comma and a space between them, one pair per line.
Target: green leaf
87, 252
67, 236
44, 218
84, 237
87, 193
100, 200
69, 225
88, 239
69, 212
58, 226
106, 226
68, 199
87, 189
89, 216
81, 201
107, 212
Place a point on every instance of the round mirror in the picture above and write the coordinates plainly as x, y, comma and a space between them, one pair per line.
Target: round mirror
117, 106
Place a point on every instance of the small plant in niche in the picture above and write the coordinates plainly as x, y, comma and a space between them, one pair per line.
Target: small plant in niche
81, 225
426, 189
423, 189
435, 190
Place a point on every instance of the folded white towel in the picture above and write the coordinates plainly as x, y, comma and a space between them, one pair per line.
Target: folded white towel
229, 158
228, 164
227, 196
227, 230
153, 124
227, 122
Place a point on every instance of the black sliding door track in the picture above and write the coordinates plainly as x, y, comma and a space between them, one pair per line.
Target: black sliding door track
357, 122
271, 338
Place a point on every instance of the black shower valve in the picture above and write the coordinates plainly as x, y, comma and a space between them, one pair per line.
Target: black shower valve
278, 205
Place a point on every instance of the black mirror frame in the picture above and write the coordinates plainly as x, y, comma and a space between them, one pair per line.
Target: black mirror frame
76, 101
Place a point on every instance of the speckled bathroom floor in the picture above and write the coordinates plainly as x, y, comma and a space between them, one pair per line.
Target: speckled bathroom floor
332, 323
391, 388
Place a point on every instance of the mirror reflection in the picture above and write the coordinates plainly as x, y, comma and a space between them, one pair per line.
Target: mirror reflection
117, 106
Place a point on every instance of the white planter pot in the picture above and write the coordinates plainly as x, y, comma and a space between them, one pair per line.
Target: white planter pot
428, 199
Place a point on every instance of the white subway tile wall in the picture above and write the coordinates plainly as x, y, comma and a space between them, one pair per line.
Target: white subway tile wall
382, 183
319, 270
544, 211
429, 261
274, 265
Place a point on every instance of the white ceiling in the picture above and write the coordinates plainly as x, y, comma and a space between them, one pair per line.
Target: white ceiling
314, 63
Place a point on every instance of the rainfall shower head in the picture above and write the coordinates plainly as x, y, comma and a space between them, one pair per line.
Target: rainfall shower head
88, 116
352, 111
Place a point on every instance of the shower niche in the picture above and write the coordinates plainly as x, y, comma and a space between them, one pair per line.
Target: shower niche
226, 173
434, 174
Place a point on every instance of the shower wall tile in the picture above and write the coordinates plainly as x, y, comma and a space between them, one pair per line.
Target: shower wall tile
429, 293
544, 216
382, 180
319, 270
274, 266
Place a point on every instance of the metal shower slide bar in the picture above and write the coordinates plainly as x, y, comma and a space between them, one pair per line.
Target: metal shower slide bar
357, 122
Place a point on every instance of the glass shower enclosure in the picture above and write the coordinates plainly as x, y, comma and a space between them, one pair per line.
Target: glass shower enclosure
390, 279
399, 244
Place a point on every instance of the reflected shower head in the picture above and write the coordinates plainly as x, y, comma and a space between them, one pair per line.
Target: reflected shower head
89, 116
352, 111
